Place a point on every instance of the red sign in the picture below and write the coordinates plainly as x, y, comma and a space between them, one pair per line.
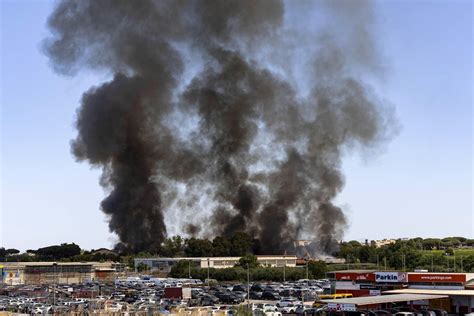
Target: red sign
437, 277
354, 276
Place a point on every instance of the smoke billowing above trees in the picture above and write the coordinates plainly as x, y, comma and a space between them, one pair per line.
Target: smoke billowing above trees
222, 116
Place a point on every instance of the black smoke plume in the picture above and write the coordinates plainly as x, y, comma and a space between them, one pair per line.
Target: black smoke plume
222, 116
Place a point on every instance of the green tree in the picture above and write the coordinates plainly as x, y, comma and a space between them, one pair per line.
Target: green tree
248, 261
468, 263
173, 247
12, 251
431, 243
461, 239
142, 267
449, 252
58, 252
198, 247
128, 261
451, 242
221, 247
317, 269
469, 242
350, 251
367, 254
242, 244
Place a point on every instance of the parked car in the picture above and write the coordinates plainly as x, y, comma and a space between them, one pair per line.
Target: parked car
286, 301
270, 295
440, 312
288, 309
405, 314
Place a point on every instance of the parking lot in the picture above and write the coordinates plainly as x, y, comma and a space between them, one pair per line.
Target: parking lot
162, 296
147, 295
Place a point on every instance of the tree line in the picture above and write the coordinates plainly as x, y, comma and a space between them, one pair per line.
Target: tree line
62, 252
238, 244
416, 253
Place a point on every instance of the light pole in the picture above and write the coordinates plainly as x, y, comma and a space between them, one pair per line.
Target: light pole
54, 284
307, 281
189, 269
307, 275
284, 269
403, 263
208, 264
248, 286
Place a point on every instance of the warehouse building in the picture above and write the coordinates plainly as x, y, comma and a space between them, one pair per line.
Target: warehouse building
386, 302
454, 286
14, 273
164, 264
457, 301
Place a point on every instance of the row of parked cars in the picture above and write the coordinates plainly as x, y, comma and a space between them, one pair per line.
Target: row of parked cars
270, 299
142, 294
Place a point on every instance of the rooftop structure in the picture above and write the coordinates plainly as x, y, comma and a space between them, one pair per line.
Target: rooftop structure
14, 273
165, 264
382, 299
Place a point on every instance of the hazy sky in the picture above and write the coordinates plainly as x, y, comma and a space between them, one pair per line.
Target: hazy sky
418, 185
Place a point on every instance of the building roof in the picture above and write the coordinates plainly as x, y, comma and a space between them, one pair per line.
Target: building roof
354, 271
381, 299
46, 263
432, 292
269, 257
59, 263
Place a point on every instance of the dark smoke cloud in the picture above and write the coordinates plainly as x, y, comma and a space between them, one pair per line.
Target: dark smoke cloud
203, 117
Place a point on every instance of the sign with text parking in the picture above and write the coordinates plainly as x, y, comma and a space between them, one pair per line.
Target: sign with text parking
391, 277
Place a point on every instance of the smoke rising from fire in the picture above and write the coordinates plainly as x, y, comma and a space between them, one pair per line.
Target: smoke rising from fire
222, 116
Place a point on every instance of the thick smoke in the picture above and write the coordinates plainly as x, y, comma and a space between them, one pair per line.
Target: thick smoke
213, 111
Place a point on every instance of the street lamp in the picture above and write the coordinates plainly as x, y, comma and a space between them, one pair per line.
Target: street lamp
307, 282
208, 265
248, 286
55, 265
307, 278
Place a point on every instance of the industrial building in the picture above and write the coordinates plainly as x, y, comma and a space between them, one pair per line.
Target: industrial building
364, 303
454, 286
14, 273
164, 264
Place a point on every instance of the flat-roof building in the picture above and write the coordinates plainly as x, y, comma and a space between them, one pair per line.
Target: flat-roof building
15, 273
165, 264
361, 283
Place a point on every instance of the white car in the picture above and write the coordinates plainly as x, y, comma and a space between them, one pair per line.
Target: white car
286, 301
407, 314
288, 309
265, 307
